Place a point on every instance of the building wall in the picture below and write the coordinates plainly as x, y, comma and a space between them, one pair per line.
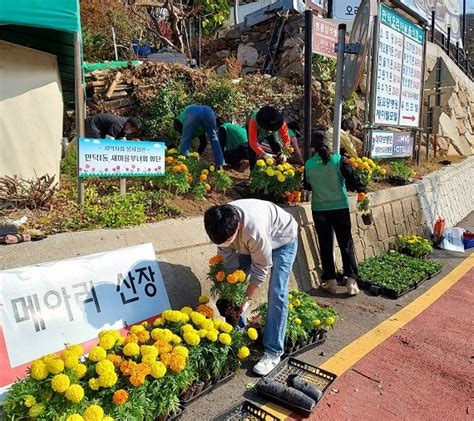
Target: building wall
31, 112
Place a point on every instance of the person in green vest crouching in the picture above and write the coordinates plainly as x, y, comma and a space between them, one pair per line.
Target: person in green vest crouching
266, 124
197, 121
234, 143
327, 175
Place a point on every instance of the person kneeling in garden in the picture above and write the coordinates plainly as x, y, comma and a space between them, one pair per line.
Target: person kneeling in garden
327, 175
197, 121
259, 237
266, 124
234, 143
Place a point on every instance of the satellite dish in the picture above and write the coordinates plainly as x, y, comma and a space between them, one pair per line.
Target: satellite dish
360, 33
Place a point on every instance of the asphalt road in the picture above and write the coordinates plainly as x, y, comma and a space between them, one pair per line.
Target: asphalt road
357, 316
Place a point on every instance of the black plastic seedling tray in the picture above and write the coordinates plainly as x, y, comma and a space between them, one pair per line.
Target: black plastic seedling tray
246, 410
175, 417
390, 293
320, 378
209, 388
317, 338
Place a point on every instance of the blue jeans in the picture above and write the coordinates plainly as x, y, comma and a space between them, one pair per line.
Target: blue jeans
275, 324
201, 116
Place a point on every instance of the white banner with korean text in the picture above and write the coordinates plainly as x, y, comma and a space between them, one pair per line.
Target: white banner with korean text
46, 306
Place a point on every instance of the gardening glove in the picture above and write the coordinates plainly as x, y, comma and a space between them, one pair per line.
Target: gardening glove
266, 156
282, 159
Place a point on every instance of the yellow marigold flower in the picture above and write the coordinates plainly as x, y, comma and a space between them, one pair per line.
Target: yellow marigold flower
297, 321
261, 163
187, 310
55, 366
75, 393
29, 401
175, 340
36, 410
212, 335
202, 333
270, 161
94, 384
107, 341
187, 328
120, 340
148, 359
226, 327
330, 321
70, 360
296, 302
207, 324
149, 350
48, 357
131, 350
158, 370
167, 335
225, 339
252, 333
270, 172
163, 346
291, 306
191, 338
197, 318
93, 413
181, 350
281, 178
137, 328
108, 379
97, 354
280, 167
243, 353
104, 366
172, 151
203, 299
107, 418
120, 397
80, 370
75, 417
60, 383
159, 321
212, 168
317, 322
217, 323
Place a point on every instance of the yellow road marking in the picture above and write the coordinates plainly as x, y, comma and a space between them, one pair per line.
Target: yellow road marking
277, 411
355, 351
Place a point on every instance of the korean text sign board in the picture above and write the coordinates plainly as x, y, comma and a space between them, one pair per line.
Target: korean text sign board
399, 78
324, 37
385, 144
345, 9
120, 158
70, 301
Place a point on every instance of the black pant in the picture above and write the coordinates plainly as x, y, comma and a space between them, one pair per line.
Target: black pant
338, 221
274, 144
235, 156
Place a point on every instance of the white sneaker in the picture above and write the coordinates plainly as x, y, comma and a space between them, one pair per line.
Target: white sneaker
352, 288
266, 364
330, 286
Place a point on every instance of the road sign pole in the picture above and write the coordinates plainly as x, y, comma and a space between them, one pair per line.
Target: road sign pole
80, 111
341, 44
308, 75
373, 82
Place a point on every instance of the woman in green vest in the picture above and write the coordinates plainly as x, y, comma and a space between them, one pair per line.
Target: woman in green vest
328, 175
234, 144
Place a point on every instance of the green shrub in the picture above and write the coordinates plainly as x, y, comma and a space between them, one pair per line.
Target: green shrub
69, 162
400, 170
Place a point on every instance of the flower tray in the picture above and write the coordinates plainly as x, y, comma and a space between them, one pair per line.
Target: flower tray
315, 338
174, 417
246, 410
390, 293
204, 388
320, 378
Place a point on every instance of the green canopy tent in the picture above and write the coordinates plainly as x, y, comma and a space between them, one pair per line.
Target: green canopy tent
45, 25
50, 26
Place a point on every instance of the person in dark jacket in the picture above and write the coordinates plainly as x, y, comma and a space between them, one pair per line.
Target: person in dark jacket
234, 144
328, 176
266, 124
197, 121
110, 126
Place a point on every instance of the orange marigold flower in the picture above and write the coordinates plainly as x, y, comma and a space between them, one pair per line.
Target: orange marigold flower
203, 177
177, 363
142, 370
128, 367
216, 260
137, 381
232, 279
120, 397
143, 336
361, 197
177, 168
131, 337
220, 276
166, 358
190, 179
163, 346
206, 310
115, 359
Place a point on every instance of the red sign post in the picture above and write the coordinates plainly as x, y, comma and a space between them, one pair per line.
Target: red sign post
324, 36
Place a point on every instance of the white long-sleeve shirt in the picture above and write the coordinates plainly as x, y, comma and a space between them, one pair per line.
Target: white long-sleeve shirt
264, 227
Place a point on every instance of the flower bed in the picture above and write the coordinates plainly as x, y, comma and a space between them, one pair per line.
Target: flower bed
307, 322
138, 376
413, 245
395, 274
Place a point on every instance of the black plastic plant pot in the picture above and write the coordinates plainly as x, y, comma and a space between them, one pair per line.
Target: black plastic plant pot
199, 388
246, 410
173, 417
399, 181
367, 218
376, 290
229, 311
